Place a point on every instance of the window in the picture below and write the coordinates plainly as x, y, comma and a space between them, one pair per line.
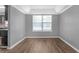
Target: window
42, 23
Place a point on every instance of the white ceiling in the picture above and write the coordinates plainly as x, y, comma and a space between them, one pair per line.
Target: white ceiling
42, 9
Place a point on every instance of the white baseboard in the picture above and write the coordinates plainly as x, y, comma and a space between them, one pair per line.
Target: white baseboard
31, 37
16, 44
77, 50
42, 37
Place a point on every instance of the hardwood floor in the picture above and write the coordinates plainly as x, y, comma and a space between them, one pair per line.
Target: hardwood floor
41, 45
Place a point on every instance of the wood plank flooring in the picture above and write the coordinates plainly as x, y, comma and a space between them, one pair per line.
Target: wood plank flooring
41, 45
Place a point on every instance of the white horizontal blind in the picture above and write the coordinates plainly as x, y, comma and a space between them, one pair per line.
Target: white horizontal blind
47, 23
42, 23
37, 23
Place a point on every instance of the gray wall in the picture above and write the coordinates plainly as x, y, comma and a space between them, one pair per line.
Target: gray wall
66, 25
16, 25
29, 31
20, 25
69, 26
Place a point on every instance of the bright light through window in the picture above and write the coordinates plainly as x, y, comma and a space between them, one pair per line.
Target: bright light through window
42, 23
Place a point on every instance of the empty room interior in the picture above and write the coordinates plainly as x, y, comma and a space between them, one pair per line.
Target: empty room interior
39, 28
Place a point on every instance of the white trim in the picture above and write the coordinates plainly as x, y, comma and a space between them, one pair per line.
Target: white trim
69, 44
16, 43
54, 37
31, 37
42, 37
60, 12
64, 9
19, 9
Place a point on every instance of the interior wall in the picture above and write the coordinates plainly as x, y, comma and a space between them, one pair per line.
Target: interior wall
29, 31
20, 26
16, 25
69, 26
65, 25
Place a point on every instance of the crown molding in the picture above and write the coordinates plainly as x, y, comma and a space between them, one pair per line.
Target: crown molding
64, 9
60, 12
19, 9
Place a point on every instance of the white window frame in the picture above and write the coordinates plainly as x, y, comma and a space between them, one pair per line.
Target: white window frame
42, 24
